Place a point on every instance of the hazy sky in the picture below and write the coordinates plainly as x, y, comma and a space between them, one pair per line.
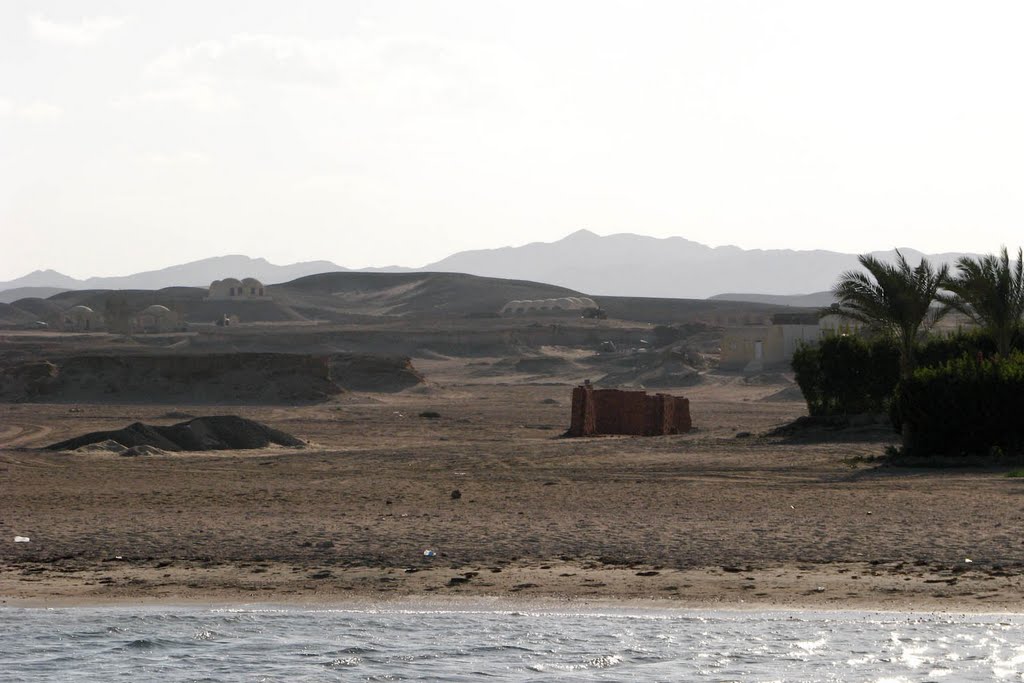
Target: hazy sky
135, 135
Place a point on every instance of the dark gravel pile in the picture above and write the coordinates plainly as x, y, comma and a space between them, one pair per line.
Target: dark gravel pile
216, 433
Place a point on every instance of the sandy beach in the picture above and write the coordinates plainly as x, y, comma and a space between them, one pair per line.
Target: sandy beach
706, 519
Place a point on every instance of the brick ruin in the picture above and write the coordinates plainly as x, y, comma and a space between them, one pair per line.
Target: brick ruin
614, 411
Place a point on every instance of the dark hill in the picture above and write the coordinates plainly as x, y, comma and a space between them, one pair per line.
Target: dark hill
39, 309
9, 296
218, 433
655, 310
14, 316
360, 297
409, 294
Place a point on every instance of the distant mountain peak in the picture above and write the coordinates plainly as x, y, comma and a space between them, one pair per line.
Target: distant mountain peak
581, 234
626, 264
622, 264
192, 274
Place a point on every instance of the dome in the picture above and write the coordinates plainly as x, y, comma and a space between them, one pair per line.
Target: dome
80, 309
251, 282
156, 309
231, 282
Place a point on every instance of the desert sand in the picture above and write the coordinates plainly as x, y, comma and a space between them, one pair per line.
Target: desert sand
724, 516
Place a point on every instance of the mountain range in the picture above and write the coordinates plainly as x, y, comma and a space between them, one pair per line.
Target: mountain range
621, 265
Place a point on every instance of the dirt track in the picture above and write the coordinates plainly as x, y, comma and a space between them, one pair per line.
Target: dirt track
718, 518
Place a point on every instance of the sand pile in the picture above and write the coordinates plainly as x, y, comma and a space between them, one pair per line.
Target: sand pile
105, 446
790, 393
217, 433
655, 370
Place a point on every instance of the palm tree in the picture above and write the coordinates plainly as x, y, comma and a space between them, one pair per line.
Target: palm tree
990, 291
895, 299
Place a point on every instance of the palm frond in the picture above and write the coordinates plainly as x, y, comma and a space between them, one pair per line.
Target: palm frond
990, 291
894, 297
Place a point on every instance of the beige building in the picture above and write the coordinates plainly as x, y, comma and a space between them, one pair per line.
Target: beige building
230, 289
834, 324
755, 348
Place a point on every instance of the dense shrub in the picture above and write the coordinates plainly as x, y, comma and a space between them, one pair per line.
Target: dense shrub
939, 350
847, 375
968, 406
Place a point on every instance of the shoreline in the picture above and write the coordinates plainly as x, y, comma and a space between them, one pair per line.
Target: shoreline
858, 587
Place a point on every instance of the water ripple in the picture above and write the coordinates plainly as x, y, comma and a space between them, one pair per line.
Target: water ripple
194, 644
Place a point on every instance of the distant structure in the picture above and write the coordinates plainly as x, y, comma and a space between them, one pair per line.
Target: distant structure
754, 348
731, 319
82, 319
835, 324
157, 318
567, 304
613, 411
230, 289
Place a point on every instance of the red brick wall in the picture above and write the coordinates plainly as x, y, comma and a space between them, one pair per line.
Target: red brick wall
613, 411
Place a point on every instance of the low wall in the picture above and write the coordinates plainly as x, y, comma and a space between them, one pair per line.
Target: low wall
614, 411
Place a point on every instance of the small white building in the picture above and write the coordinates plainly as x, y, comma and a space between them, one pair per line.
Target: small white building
81, 319
157, 318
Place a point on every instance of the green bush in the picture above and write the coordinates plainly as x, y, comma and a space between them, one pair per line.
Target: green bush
938, 350
846, 375
968, 406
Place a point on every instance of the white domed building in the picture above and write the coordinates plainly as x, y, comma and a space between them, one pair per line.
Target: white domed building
561, 306
82, 319
157, 318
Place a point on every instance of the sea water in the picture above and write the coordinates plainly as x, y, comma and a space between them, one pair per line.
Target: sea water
261, 643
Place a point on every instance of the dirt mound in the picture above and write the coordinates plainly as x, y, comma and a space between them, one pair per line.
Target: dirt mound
652, 370
543, 365
790, 393
373, 373
767, 378
218, 433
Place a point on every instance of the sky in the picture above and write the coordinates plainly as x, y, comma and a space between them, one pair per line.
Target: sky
135, 135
